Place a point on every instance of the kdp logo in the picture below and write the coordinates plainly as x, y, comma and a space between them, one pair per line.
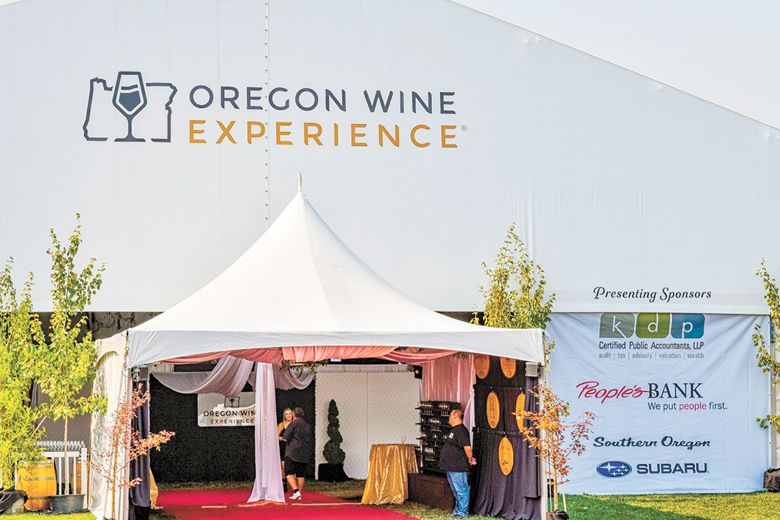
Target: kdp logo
651, 325
130, 111
613, 469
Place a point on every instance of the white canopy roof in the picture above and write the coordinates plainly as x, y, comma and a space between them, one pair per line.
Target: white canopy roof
300, 285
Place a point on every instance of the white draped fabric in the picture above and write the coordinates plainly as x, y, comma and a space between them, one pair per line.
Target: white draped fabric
228, 378
268, 466
112, 382
284, 380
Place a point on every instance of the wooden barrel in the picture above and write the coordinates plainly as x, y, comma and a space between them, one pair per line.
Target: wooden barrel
513, 402
38, 481
488, 409
512, 372
506, 456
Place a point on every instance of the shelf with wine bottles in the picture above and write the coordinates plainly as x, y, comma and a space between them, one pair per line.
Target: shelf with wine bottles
434, 426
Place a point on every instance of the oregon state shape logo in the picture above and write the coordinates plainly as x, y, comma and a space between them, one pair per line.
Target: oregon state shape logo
129, 111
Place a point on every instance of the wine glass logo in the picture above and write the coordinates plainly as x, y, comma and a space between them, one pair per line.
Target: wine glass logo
129, 99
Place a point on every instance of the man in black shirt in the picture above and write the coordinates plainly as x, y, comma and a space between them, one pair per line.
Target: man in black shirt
297, 453
456, 457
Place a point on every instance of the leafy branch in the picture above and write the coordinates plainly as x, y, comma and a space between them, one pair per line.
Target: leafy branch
768, 364
515, 296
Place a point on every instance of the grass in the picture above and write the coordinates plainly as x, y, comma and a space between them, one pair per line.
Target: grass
731, 506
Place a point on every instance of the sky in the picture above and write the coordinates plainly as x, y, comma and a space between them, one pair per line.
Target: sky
725, 51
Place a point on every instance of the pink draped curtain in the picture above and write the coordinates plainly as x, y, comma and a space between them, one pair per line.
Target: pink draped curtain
451, 378
415, 357
275, 355
271, 356
307, 354
448, 378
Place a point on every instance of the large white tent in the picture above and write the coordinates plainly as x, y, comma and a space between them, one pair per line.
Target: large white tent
298, 286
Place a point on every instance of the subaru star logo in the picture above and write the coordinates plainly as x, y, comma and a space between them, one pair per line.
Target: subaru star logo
613, 468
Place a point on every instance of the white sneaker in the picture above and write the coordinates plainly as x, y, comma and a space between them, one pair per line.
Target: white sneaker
296, 496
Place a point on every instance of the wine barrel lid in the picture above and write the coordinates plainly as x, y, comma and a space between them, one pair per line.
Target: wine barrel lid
506, 456
482, 366
509, 367
519, 408
493, 409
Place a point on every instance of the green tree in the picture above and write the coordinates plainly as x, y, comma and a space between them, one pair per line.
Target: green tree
515, 296
67, 358
768, 364
19, 331
332, 450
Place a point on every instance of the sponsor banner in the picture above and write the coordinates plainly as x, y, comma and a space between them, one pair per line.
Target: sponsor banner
675, 396
218, 410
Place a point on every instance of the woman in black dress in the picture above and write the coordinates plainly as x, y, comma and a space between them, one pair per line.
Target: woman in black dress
287, 417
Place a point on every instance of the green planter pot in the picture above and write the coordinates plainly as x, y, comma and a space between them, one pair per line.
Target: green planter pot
61, 504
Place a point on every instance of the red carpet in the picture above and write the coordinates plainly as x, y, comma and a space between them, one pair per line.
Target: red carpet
211, 504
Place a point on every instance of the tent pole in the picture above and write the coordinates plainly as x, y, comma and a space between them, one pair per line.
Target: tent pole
773, 398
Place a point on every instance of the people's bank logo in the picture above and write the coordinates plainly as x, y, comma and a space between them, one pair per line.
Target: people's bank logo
651, 325
129, 111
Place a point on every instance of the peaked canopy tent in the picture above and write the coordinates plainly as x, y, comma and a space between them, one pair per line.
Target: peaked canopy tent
298, 286
298, 294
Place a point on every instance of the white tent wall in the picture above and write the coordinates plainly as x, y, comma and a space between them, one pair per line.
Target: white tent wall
615, 180
376, 406
111, 381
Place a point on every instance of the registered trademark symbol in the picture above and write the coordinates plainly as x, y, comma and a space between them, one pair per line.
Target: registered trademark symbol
464, 127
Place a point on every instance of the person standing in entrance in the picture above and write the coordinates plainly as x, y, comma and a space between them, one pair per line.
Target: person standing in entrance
456, 457
287, 417
297, 453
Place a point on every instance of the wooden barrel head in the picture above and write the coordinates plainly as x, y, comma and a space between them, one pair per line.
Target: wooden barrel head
506, 456
519, 408
493, 409
482, 366
509, 367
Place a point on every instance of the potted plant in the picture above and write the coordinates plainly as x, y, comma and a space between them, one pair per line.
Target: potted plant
555, 440
333, 471
126, 445
66, 356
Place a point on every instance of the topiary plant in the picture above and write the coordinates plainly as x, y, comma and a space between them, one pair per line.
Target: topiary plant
332, 450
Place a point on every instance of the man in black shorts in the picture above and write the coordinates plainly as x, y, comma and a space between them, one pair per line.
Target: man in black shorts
297, 454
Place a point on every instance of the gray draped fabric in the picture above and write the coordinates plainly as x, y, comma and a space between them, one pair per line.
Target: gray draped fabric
139, 468
518, 495
284, 380
227, 378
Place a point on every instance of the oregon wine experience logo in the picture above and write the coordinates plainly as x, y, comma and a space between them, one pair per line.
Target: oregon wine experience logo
226, 114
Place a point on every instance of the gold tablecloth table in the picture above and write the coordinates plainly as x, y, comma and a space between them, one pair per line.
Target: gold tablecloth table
388, 469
